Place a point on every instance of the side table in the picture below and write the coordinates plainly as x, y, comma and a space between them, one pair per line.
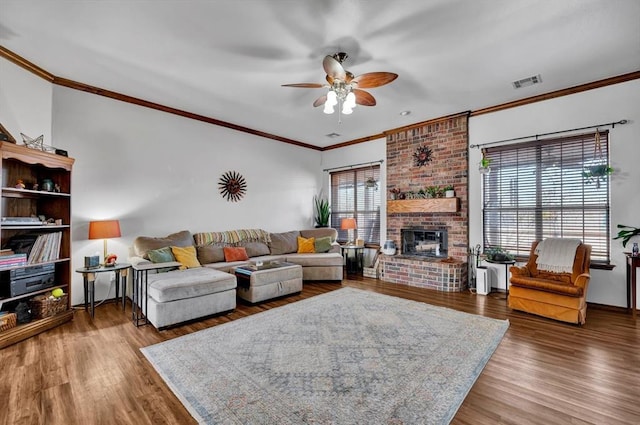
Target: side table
140, 280
89, 279
506, 263
633, 262
353, 258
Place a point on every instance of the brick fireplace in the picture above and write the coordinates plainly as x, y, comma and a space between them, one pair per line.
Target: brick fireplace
447, 138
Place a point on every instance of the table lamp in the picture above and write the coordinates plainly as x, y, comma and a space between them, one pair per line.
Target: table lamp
349, 224
105, 229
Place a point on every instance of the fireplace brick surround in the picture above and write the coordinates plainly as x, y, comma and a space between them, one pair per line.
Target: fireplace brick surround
447, 137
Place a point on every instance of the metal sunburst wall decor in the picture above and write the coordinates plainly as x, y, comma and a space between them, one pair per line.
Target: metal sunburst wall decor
232, 186
421, 156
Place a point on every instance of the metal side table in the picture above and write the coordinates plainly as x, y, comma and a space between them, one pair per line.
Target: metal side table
89, 279
140, 281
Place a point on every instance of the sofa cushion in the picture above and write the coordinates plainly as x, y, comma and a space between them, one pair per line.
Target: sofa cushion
143, 244
320, 232
210, 254
323, 244
256, 249
189, 283
284, 243
306, 246
315, 260
235, 253
186, 256
162, 255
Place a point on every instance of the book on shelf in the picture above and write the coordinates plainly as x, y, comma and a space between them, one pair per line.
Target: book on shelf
13, 260
46, 248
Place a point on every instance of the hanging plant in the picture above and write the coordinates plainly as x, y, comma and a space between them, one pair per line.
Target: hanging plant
599, 169
483, 166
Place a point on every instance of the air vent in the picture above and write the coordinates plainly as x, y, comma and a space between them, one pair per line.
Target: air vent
536, 79
332, 135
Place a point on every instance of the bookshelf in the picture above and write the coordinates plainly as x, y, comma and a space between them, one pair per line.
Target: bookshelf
17, 162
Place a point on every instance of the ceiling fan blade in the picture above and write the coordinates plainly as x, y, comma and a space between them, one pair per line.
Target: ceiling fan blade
374, 79
305, 85
320, 101
333, 68
364, 98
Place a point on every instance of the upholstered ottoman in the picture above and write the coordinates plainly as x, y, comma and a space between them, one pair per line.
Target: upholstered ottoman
180, 295
257, 284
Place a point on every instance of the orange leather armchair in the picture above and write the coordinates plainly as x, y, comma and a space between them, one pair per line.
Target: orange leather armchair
560, 296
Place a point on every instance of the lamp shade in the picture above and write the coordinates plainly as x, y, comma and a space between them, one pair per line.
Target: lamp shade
348, 224
104, 229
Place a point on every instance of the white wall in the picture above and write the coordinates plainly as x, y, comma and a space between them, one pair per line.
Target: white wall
158, 173
25, 103
603, 105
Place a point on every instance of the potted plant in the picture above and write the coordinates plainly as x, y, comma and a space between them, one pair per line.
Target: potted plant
626, 233
323, 211
449, 192
498, 254
432, 191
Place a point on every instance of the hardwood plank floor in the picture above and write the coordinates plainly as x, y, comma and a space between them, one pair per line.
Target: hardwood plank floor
544, 372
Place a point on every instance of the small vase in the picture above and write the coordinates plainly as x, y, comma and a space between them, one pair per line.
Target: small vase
449, 193
634, 250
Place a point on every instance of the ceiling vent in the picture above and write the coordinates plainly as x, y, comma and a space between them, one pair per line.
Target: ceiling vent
332, 135
536, 79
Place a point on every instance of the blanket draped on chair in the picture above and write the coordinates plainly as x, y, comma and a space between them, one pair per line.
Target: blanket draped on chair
557, 254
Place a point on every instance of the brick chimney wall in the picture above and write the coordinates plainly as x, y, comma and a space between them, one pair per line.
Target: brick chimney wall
448, 140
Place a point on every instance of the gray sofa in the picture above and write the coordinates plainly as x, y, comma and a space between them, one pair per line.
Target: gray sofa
208, 288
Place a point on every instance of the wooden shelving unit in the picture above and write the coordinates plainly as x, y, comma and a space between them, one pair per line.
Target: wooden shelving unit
32, 166
432, 205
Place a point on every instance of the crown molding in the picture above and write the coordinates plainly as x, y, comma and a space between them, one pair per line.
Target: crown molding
40, 72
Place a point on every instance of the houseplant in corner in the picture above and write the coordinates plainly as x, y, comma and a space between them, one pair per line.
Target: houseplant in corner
323, 210
626, 233
498, 254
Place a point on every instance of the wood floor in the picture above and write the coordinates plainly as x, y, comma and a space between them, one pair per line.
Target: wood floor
544, 372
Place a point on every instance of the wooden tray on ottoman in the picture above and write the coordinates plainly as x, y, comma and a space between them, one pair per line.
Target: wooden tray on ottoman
42, 306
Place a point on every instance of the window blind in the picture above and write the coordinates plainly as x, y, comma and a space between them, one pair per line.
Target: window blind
351, 196
539, 189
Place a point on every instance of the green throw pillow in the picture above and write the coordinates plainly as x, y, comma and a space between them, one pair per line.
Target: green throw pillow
323, 244
162, 255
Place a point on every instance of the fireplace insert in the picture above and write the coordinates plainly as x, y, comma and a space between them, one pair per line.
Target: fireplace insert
425, 242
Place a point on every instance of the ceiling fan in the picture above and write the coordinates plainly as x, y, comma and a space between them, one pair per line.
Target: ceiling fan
345, 89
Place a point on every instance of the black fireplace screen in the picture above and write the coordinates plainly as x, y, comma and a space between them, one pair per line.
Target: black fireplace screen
426, 243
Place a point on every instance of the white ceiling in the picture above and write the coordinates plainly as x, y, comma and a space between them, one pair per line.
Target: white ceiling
227, 59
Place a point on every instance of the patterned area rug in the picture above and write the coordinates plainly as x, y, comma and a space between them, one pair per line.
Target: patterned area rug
345, 357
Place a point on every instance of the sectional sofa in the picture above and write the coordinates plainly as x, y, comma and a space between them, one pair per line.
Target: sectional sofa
205, 284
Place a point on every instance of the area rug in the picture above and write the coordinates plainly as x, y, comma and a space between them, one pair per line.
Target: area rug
345, 357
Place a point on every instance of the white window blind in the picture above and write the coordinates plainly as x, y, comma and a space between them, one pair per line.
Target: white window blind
538, 190
351, 197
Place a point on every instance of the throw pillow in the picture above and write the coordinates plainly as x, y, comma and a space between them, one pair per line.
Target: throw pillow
208, 254
162, 255
143, 244
284, 243
323, 244
257, 249
306, 246
232, 253
186, 256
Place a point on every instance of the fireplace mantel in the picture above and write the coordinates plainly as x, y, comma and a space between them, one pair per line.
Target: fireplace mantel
423, 205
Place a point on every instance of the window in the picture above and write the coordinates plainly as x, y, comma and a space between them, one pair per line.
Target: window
351, 196
538, 189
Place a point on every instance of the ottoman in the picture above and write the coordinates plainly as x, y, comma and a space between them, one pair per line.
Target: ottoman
272, 280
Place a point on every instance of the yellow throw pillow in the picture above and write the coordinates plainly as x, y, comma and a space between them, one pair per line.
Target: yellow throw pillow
306, 246
187, 256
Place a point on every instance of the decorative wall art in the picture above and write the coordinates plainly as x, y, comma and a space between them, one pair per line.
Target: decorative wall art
421, 156
232, 186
